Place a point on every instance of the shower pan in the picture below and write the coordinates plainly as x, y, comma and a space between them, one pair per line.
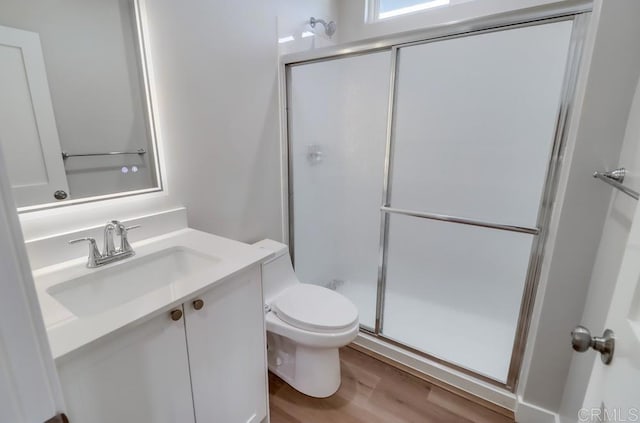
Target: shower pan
421, 179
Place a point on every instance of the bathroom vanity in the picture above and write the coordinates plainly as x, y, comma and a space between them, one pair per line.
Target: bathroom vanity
174, 334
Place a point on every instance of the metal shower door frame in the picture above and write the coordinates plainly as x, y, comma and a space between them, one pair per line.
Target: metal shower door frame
580, 18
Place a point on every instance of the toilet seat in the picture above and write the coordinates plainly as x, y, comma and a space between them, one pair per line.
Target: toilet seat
315, 308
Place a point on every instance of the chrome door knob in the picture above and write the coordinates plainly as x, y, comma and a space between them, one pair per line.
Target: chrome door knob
581, 341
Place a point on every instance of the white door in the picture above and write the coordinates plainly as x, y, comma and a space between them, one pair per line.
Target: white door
139, 376
612, 301
28, 132
613, 393
227, 355
29, 388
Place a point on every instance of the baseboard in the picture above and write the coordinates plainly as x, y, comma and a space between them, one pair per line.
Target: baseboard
529, 413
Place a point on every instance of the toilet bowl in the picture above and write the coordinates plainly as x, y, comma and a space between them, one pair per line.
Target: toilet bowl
306, 325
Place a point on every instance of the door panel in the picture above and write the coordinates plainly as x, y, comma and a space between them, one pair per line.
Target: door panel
29, 387
614, 300
338, 119
28, 133
448, 286
475, 122
226, 339
612, 394
139, 376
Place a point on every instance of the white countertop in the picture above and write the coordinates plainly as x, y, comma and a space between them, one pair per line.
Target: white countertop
68, 332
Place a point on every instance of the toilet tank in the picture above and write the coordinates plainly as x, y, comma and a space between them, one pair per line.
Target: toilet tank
277, 273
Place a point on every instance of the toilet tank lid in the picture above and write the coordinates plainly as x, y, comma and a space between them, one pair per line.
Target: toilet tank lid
274, 246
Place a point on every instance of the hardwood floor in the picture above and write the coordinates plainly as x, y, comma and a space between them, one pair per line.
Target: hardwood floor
374, 392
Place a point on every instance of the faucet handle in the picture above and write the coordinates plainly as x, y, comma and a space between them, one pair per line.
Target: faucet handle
120, 228
94, 253
124, 239
75, 241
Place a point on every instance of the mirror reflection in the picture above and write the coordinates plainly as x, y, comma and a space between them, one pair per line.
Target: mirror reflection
74, 115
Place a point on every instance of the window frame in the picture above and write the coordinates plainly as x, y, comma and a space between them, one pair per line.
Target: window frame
372, 10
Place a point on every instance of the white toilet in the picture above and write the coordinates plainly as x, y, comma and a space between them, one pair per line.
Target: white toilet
306, 324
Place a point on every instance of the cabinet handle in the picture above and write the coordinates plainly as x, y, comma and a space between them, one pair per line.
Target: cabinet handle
198, 304
176, 314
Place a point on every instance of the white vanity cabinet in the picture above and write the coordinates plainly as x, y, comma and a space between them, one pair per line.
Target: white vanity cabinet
212, 358
139, 375
226, 341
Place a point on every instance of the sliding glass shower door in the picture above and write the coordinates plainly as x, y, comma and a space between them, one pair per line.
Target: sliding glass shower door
429, 218
474, 125
337, 126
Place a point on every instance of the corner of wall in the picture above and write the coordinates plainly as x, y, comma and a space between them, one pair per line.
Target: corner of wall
529, 413
600, 118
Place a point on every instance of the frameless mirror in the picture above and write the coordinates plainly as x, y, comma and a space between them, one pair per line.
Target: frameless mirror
76, 120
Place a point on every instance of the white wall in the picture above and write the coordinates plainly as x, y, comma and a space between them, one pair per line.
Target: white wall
612, 65
90, 52
293, 18
215, 69
215, 66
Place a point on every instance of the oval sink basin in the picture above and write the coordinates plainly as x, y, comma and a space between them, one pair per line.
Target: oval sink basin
122, 282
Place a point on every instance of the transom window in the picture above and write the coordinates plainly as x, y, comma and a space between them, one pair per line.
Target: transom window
384, 9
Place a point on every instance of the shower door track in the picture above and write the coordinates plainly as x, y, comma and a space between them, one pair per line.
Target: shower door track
579, 14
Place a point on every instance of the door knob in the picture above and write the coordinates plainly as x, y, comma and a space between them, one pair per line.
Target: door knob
176, 314
60, 195
581, 341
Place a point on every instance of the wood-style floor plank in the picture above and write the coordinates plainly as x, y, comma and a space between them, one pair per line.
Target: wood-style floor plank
374, 392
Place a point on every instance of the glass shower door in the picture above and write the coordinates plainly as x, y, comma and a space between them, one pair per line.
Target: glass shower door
474, 126
337, 113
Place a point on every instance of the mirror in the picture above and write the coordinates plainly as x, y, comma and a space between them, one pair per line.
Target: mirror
75, 115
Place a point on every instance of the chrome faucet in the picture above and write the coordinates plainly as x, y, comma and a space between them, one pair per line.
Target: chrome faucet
109, 252
108, 248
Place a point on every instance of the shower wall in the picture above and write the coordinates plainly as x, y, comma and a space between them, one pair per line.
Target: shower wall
445, 252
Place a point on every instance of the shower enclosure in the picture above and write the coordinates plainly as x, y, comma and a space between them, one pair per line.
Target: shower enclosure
421, 177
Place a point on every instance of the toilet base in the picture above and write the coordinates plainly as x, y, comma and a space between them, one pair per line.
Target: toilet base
312, 371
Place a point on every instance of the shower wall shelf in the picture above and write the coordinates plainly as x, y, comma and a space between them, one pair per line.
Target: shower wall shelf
615, 178
139, 151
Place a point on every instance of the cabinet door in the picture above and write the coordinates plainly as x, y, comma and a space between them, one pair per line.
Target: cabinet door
140, 376
28, 132
227, 352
